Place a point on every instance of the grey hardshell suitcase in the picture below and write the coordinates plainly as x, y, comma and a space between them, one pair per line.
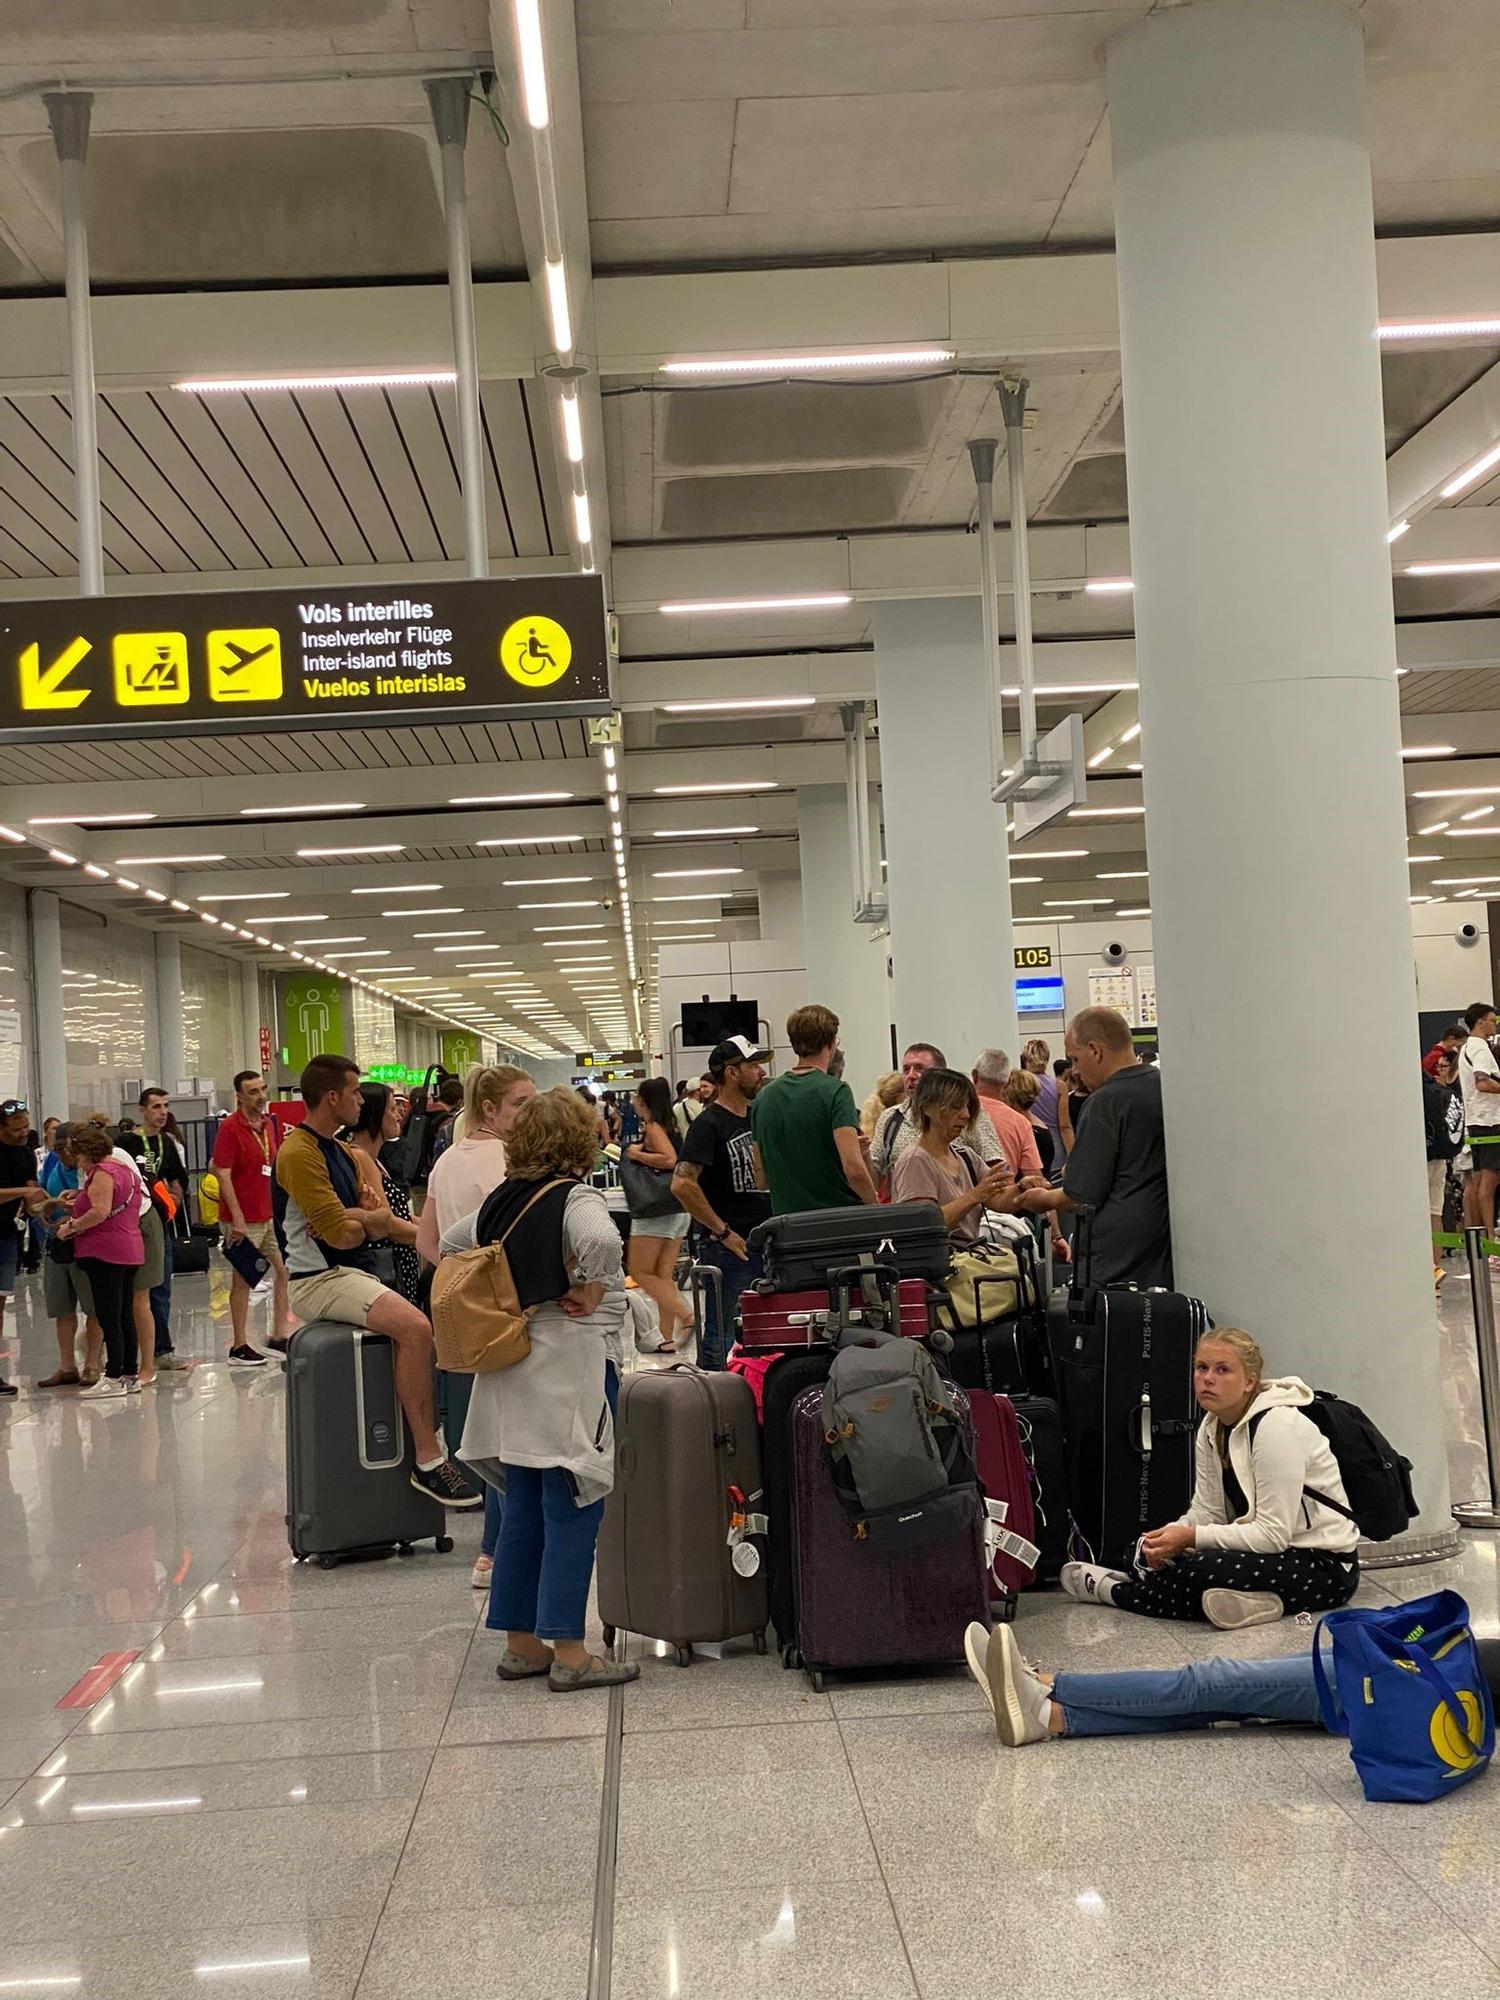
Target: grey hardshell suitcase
682, 1546
349, 1456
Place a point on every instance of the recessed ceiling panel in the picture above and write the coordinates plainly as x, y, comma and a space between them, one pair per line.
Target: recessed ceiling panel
831, 422
784, 503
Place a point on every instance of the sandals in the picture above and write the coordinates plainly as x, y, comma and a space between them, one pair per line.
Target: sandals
61, 1378
594, 1673
516, 1667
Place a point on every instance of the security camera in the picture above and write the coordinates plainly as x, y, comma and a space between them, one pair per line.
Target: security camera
606, 902
1116, 953
1467, 933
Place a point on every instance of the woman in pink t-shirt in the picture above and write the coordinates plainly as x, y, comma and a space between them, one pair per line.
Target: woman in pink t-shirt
105, 1228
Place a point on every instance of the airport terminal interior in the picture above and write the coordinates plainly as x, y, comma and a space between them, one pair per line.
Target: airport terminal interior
552, 533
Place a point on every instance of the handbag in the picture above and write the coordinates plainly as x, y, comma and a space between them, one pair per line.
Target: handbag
1412, 1697
648, 1190
62, 1250
983, 1284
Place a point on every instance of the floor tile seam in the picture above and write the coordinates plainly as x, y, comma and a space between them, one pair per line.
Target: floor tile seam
911, 1970
272, 1757
415, 1810
762, 1724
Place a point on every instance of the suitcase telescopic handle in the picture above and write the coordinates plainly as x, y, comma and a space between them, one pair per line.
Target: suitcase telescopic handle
876, 1272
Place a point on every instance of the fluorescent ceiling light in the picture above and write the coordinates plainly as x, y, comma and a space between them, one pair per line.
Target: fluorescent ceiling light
1413, 859
325, 853
1106, 812
99, 874
312, 917
364, 952
823, 600
321, 941
1439, 329
542, 881
575, 903
92, 819
1473, 472
762, 364
1044, 920
1472, 832
300, 812
249, 896
1022, 881
440, 948
1456, 792
1053, 854
689, 874
558, 313
126, 883
513, 799
1135, 913
447, 934
1457, 881
1077, 902
533, 63
387, 889
1045, 690
1477, 812
435, 910
380, 378
1485, 567
1401, 528
1108, 586
1429, 750
1437, 826
62, 857
1101, 756
529, 840
703, 832
703, 791
572, 423
166, 860
1125, 875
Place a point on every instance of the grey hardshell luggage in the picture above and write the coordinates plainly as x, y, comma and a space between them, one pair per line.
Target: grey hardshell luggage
682, 1546
349, 1456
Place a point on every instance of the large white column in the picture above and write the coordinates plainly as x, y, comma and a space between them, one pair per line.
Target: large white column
781, 908
1268, 696
168, 1010
250, 1013
845, 961
45, 920
948, 874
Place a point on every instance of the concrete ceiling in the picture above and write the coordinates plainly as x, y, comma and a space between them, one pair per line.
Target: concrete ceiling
291, 159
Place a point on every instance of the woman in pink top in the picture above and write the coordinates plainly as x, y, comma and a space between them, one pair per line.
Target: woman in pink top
937, 1168
105, 1227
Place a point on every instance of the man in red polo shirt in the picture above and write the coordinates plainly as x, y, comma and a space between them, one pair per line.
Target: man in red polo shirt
244, 1160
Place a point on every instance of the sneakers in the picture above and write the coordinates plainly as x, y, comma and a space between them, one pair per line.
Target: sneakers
1086, 1582
1233, 1610
8, 1388
483, 1571
172, 1362
1009, 1683
594, 1673
443, 1483
246, 1357
105, 1389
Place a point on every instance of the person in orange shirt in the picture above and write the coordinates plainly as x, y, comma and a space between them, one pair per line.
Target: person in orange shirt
1016, 1132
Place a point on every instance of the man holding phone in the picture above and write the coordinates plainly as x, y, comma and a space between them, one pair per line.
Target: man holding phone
245, 1150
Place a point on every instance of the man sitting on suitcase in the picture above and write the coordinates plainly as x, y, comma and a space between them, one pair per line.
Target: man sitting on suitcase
328, 1220
1118, 1165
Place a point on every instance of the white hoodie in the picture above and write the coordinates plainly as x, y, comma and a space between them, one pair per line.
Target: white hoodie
1290, 1453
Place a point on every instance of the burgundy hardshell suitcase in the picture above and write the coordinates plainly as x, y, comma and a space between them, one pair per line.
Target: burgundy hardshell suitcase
785, 1320
687, 1497
1005, 1475
857, 1606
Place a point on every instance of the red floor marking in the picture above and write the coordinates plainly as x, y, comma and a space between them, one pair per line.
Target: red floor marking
185, 1566
98, 1681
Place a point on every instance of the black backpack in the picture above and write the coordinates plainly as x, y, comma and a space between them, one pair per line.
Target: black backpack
1376, 1477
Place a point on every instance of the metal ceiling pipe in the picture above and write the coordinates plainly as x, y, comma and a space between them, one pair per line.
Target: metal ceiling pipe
1013, 407
982, 454
448, 99
68, 113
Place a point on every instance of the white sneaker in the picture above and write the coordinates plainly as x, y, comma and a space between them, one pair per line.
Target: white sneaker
105, 1390
1082, 1580
1011, 1685
1233, 1610
483, 1570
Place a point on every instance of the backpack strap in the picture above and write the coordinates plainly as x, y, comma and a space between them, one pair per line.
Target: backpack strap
1308, 1492
504, 1236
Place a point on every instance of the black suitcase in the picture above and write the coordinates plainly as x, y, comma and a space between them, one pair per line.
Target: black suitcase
785, 1381
1040, 1423
1123, 1361
802, 1251
348, 1454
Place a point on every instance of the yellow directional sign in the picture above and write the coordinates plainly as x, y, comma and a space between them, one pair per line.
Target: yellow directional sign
536, 651
43, 687
151, 669
244, 664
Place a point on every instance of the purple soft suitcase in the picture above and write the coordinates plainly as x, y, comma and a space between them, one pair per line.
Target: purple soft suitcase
858, 1606
687, 1494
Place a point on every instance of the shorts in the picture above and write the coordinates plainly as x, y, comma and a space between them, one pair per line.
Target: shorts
666, 1228
261, 1236
1484, 1143
153, 1266
1437, 1186
65, 1289
10, 1258
339, 1293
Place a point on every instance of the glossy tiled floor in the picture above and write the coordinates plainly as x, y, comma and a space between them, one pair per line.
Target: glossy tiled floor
311, 1785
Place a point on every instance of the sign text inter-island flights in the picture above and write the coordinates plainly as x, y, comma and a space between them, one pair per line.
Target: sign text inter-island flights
201, 662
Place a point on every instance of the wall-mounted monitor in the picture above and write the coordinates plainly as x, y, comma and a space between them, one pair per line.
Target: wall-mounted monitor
1040, 996
705, 1023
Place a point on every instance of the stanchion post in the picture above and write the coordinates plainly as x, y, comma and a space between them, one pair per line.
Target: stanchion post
1478, 1513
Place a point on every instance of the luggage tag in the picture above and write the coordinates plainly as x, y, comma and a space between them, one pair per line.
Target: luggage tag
743, 1524
999, 1540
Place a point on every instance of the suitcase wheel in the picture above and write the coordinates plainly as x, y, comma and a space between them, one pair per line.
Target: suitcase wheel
609, 1637
816, 1679
328, 1562
404, 1549
443, 1544
760, 1642
684, 1656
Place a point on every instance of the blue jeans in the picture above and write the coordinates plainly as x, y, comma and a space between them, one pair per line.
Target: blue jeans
161, 1295
490, 1539
738, 1274
1191, 1697
545, 1556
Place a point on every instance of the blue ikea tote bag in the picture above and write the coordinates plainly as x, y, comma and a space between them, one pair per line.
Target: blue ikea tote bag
1411, 1699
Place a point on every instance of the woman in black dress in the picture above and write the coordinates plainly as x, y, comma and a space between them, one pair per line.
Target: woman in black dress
378, 1123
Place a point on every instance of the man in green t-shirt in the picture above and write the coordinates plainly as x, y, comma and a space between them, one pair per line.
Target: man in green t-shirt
806, 1129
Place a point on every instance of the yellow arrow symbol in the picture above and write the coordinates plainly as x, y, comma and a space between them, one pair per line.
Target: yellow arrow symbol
42, 687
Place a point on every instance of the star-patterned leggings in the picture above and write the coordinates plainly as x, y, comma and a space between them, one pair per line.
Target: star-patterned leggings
1304, 1580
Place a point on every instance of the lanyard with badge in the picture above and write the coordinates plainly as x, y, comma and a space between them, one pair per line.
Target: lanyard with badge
262, 1139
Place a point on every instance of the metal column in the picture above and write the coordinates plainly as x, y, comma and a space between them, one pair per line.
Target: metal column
1013, 407
1475, 1513
982, 452
448, 97
68, 113
50, 1084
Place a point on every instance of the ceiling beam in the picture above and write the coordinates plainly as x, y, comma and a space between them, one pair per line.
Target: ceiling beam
1454, 438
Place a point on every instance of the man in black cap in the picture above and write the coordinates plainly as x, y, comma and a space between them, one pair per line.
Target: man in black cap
716, 1183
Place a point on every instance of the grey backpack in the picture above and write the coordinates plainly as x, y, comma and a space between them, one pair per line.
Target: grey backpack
899, 1443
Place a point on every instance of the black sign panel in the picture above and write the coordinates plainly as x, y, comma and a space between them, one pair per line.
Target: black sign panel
321, 658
